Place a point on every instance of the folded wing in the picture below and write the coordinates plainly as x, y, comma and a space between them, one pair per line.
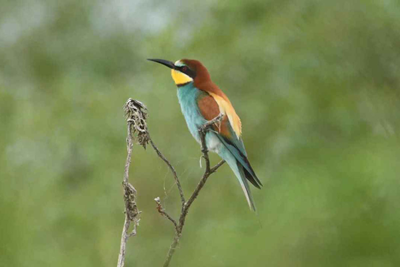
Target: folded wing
210, 108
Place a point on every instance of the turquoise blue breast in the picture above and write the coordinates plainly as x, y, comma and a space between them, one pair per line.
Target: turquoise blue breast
188, 96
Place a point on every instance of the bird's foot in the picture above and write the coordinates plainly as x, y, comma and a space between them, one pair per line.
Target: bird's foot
216, 121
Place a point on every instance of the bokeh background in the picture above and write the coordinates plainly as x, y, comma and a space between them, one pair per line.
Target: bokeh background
316, 84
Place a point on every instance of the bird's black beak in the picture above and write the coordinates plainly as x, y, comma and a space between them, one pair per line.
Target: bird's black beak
167, 63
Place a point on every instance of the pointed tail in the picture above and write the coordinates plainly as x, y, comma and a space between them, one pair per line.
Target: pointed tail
239, 171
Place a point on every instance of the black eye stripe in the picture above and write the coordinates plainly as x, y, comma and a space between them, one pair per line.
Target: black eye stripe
187, 71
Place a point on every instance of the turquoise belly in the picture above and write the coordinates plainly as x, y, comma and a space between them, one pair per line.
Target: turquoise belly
188, 96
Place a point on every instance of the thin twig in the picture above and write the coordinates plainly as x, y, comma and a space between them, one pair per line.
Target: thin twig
177, 181
162, 211
215, 168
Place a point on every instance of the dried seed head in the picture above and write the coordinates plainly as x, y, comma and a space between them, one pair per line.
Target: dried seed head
136, 114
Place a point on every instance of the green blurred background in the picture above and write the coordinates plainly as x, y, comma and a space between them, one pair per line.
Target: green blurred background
316, 84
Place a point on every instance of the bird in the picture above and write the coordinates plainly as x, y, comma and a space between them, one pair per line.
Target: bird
201, 100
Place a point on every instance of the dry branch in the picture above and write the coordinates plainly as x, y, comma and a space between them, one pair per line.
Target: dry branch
136, 114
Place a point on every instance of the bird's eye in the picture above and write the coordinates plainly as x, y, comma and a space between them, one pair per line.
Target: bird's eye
184, 68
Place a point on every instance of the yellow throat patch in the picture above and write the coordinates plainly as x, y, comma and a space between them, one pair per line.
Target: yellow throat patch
180, 78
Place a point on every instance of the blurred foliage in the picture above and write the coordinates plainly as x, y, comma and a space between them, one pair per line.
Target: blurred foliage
316, 84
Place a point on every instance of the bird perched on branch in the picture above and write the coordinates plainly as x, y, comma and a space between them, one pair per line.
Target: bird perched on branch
201, 101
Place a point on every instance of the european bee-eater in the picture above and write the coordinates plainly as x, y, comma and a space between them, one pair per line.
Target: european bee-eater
201, 101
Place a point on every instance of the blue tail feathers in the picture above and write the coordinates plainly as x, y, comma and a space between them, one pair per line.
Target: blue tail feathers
239, 171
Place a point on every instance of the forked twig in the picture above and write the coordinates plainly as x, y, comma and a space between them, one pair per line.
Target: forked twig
186, 205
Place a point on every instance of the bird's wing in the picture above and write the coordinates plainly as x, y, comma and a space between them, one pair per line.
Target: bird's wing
209, 107
226, 107
223, 103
